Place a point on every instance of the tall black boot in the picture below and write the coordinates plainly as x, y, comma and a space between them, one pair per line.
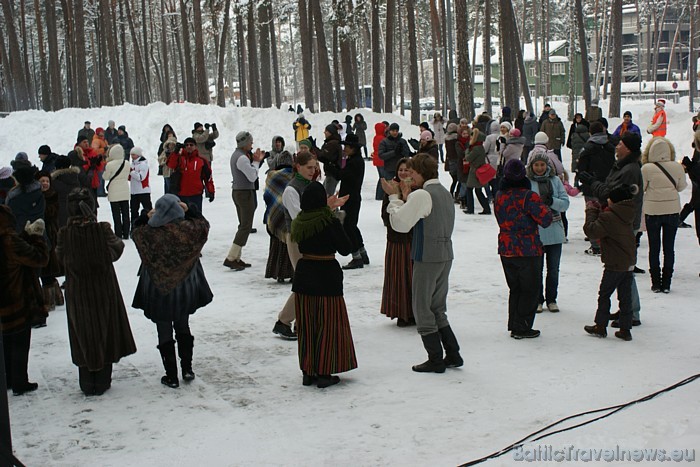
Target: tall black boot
102, 379
655, 274
167, 353
20, 360
433, 346
185, 343
666, 280
86, 381
452, 357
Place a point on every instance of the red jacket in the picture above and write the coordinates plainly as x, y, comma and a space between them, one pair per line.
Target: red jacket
94, 165
379, 135
196, 173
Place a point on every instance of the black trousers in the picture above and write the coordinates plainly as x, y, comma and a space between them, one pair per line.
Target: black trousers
120, 216
142, 199
622, 282
16, 348
352, 217
165, 329
524, 278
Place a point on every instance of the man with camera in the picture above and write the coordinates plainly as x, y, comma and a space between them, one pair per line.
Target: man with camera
205, 135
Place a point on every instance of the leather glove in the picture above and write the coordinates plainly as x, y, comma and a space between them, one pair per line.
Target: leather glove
210, 196
179, 147
687, 162
35, 228
206, 125
586, 178
213, 126
313, 142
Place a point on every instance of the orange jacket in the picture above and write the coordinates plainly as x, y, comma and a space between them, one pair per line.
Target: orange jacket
99, 145
659, 130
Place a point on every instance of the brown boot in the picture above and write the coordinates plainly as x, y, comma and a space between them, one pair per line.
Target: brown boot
597, 330
58, 294
49, 299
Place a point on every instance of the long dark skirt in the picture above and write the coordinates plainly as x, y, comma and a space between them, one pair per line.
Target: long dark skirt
278, 264
325, 340
398, 280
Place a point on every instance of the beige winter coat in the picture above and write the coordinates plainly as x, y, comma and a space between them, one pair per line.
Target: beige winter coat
660, 195
119, 187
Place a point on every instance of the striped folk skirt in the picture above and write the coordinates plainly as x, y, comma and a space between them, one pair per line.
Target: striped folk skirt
325, 340
278, 264
398, 280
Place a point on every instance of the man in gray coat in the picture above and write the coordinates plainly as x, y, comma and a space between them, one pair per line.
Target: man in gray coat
430, 212
244, 169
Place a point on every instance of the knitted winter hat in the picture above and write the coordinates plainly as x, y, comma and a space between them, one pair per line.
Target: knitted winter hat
452, 128
394, 126
25, 174
136, 151
627, 114
506, 125
285, 158
332, 129
99, 130
632, 141
515, 133
44, 150
352, 140
552, 112
21, 156
313, 197
110, 123
426, 136
62, 162
623, 192
514, 170
5, 172
306, 142
197, 125
167, 209
243, 139
189, 140
80, 203
81, 138
541, 138
536, 158
122, 127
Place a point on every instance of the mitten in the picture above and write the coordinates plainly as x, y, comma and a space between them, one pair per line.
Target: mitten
586, 178
35, 228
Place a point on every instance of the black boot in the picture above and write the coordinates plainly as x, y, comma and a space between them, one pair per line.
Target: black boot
102, 379
666, 280
433, 346
20, 359
655, 274
356, 263
86, 381
597, 330
167, 353
449, 342
364, 256
185, 343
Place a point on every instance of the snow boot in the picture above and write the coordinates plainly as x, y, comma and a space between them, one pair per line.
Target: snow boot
452, 357
356, 263
58, 294
364, 256
86, 381
49, 297
655, 274
324, 381
167, 354
185, 343
433, 346
102, 379
666, 280
597, 330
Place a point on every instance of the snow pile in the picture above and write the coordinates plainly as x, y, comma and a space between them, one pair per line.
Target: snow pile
247, 405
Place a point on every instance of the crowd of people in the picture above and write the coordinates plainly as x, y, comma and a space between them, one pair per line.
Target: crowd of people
49, 229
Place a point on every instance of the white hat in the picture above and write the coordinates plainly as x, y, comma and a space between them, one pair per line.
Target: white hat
136, 151
507, 125
661, 103
541, 138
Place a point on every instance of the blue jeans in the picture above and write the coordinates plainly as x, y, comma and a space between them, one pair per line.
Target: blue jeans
664, 226
196, 200
552, 256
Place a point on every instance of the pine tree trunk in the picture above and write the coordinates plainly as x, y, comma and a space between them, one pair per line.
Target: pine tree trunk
199, 66
31, 82
45, 82
324, 69
184, 34
465, 90
693, 55
616, 26
377, 95
336, 61
306, 56
81, 81
142, 96
54, 63
401, 67
413, 61
68, 52
17, 81
435, 39
253, 65
167, 96
346, 57
583, 47
571, 65
486, 52
7, 98
220, 94
241, 58
275, 57
264, 44
112, 42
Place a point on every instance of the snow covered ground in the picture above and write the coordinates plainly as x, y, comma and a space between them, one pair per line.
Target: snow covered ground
247, 405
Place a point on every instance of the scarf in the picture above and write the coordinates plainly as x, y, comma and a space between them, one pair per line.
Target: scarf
623, 129
298, 176
309, 223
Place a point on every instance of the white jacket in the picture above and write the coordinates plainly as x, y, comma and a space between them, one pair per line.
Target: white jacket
119, 186
661, 194
139, 176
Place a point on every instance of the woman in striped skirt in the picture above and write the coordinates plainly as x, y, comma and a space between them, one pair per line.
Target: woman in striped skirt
398, 270
324, 336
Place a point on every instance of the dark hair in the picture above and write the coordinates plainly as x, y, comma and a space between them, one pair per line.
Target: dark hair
303, 158
597, 127
425, 165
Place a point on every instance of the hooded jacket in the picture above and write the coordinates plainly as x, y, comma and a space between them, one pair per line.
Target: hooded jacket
392, 150
274, 153
139, 176
490, 146
118, 184
597, 158
625, 171
660, 194
379, 135
530, 128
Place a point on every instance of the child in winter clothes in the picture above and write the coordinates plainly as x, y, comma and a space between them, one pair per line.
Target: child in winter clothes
613, 227
140, 187
570, 190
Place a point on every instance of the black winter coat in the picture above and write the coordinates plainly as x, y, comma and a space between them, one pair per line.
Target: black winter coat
596, 158
27, 204
330, 154
63, 181
627, 171
392, 150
